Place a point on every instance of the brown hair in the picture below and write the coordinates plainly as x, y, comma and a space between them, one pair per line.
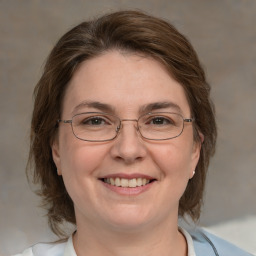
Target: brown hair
130, 31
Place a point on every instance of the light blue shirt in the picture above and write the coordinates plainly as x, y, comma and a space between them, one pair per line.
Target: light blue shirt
200, 243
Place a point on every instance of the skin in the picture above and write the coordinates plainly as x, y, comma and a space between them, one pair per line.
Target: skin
109, 222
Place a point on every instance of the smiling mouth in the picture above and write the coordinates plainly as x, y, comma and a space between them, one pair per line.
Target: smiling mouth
127, 183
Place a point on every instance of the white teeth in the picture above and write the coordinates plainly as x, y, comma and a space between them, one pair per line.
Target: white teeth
139, 182
118, 182
112, 181
125, 183
132, 183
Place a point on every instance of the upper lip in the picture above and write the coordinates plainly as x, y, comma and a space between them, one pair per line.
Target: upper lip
128, 176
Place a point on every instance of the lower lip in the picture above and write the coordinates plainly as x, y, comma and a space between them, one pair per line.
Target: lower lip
128, 191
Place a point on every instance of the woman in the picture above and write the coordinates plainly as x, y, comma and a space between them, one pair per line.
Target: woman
122, 132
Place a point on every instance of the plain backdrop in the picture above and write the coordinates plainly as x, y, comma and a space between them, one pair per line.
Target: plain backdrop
224, 34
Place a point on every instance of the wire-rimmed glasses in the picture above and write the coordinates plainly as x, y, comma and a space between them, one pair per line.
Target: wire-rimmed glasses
97, 126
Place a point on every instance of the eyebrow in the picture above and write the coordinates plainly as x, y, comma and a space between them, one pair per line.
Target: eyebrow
110, 109
94, 104
159, 105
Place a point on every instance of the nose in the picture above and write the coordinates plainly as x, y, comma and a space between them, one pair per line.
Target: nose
128, 147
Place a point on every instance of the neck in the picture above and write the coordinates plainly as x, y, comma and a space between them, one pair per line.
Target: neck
164, 240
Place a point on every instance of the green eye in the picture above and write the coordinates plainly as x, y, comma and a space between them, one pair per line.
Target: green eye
94, 121
160, 121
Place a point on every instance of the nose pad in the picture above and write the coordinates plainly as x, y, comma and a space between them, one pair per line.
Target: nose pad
136, 125
118, 128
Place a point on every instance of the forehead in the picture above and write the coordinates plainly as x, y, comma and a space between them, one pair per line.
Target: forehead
124, 81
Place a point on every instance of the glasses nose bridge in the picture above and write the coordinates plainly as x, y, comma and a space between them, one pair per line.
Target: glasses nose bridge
127, 120
130, 120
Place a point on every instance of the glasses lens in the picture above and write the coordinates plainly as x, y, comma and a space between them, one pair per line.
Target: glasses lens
161, 126
95, 126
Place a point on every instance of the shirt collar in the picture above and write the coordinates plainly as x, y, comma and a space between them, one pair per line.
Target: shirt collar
70, 250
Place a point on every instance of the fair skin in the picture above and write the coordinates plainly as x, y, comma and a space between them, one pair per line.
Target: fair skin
118, 221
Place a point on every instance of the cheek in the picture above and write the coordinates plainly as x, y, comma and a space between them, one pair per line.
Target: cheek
173, 159
82, 159
80, 163
173, 163
79, 158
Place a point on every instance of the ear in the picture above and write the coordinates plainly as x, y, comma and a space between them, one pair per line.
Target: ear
196, 154
56, 156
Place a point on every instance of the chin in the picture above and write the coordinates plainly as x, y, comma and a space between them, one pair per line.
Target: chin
128, 219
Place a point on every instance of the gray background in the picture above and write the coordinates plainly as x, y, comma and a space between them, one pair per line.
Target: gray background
224, 35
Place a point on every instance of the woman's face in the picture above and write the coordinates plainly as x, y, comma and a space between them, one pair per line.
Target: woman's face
126, 85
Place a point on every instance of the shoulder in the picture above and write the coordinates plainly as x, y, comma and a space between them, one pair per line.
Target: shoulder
206, 243
45, 249
27, 252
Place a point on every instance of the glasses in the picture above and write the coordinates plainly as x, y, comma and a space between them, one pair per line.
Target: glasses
96, 127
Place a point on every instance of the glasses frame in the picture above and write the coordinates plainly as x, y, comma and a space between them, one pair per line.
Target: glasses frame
119, 127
